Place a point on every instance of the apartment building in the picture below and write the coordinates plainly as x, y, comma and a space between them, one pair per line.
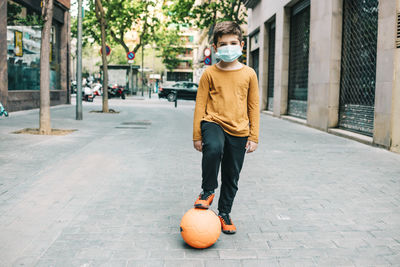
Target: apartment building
185, 70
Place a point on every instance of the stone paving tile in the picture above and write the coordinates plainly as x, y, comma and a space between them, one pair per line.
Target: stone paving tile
46, 262
131, 254
264, 236
145, 263
260, 262
393, 259
296, 262
281, 244
223, 263
184, 263
350, 243
369, 261
272, 253
208, 253
333, 261
166, 255
224, 244
94, 253
114, 263
238, 254
307, 252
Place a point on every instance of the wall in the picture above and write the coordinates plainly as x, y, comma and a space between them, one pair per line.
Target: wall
324, 63
23, 100
395, 131
387, 67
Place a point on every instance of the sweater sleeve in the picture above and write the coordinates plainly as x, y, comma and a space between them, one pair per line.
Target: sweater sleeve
200, 108
253, 108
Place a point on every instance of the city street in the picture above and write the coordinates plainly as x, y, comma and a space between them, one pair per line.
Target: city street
113, 192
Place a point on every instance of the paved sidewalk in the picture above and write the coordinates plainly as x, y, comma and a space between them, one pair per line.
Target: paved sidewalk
113, 193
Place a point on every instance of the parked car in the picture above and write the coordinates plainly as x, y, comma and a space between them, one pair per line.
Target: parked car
179, 90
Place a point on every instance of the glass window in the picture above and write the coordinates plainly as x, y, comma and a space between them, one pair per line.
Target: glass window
24, 28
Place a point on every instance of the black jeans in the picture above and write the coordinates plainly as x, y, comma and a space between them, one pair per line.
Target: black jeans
220, 148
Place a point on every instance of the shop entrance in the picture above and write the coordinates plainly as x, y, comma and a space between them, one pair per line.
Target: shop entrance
298, 59
358, 66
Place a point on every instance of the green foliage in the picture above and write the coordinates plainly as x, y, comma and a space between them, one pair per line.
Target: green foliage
208, 13
14, 16
122, 16
170, 46
118, 55
74, 27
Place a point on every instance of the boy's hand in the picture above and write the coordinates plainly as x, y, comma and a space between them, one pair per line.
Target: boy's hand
198, 145
251, 146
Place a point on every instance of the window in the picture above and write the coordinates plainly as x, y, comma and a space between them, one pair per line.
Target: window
24, 28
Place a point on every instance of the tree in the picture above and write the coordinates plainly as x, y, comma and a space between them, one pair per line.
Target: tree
122, 16
101, 18
170, 44
117, 18
44, 120
208, 13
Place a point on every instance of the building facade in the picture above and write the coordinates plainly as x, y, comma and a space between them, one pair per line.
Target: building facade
20, 37
333, 65
185, 70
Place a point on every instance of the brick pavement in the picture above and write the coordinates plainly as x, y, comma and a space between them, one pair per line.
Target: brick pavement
113, 193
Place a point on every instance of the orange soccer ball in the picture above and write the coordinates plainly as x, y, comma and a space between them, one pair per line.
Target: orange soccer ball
200, 228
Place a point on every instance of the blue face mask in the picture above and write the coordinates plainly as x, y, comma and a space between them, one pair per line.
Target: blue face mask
229, 53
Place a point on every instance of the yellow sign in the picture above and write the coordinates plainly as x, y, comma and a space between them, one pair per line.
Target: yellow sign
51, 52
18, 49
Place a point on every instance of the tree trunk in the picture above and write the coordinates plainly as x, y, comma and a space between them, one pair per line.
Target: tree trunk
101, 18
44, 121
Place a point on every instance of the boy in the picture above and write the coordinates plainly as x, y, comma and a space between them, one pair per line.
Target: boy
226, 120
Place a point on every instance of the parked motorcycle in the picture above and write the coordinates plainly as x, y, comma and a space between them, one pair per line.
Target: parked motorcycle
88, 94
73, 87
97, 89
116, 90
91, 90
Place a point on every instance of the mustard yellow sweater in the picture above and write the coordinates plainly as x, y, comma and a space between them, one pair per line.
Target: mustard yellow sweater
229, 98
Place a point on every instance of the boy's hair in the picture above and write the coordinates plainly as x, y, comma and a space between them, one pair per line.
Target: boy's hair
227, 27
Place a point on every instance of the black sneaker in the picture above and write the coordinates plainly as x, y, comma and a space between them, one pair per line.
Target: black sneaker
226, 224
205, 200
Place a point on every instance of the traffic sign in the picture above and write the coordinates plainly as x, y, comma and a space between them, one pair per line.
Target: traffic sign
207, 60
108, 50
130, 55
207, 52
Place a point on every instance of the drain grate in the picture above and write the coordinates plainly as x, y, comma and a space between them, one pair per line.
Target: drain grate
139, 122
132, 127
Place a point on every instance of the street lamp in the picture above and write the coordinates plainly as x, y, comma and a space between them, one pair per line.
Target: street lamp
79, 65
142, 71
